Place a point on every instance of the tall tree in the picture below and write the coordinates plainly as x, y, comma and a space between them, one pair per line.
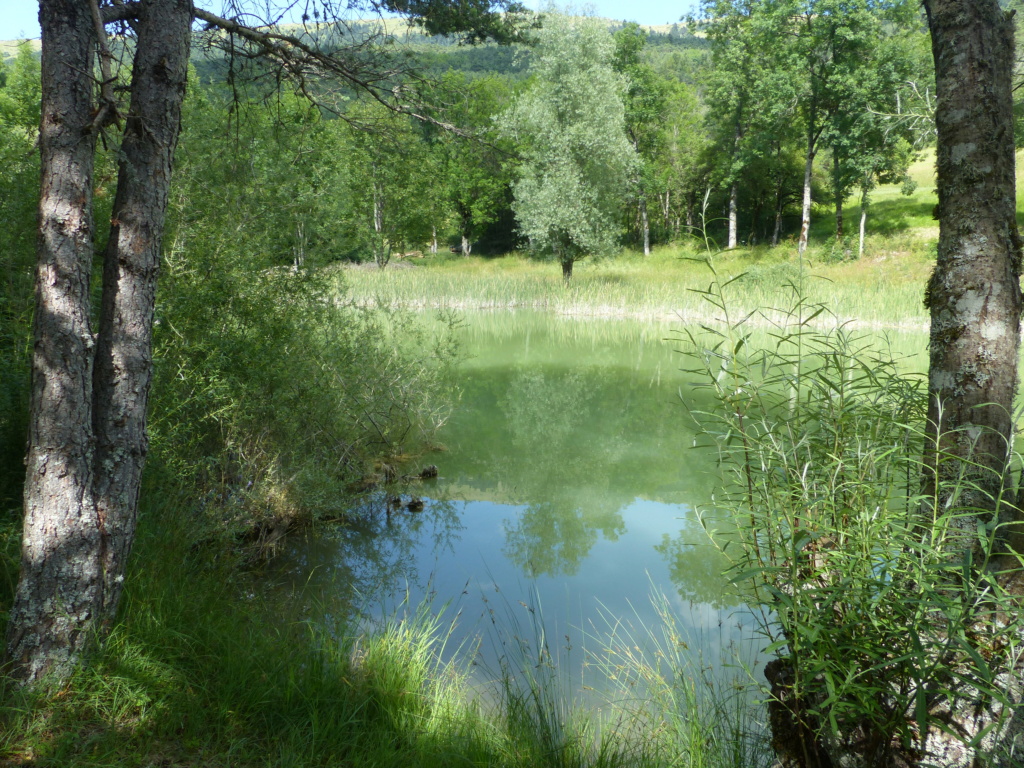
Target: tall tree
87, 431
577, 159
974, 297
646, 104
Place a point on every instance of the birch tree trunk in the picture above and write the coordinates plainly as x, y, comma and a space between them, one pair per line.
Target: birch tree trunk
839, 204
805, 217
733, 215
645, 225
864, 202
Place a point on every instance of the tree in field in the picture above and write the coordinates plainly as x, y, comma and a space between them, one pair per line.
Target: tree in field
577, 160
473, 169
90, 386
647, 106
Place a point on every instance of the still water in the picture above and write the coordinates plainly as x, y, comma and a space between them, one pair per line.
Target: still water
568, 488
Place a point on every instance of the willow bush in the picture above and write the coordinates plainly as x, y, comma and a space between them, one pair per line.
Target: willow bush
272, 391
866, 592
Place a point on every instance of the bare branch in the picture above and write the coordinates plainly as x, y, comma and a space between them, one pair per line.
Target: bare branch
106, 113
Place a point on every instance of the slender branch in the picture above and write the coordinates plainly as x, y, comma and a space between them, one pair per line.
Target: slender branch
107, 112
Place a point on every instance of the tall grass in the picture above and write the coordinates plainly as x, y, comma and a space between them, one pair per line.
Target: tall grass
882, 292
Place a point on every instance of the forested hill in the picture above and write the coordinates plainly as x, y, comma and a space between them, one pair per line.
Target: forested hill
441, 53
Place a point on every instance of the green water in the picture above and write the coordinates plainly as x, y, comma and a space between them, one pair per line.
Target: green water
569, 487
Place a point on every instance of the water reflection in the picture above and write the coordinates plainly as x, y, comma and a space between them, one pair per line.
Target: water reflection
569, 473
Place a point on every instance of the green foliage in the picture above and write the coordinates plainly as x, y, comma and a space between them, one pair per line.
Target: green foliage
577, 159
474, 170
19, 194
272, 391
867, 592
387, 186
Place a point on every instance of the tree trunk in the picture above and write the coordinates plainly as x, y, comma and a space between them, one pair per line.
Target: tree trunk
567, 269
124, 359
58, 594
467, 247
645, 225
733, 216
805, 218
87, 437
839, 198
864, 202
777, 231
974, 293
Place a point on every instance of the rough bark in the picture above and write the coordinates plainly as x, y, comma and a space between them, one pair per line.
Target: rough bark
58, 592
974, 293
87, 440
124, 360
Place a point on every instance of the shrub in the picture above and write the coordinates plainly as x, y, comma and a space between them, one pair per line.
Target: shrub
867, 594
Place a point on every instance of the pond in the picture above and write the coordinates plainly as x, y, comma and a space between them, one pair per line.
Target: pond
568, 489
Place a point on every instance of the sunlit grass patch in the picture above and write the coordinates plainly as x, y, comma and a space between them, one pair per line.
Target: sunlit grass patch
884, 289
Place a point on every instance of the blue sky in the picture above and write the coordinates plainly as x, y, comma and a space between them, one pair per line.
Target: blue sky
18, 18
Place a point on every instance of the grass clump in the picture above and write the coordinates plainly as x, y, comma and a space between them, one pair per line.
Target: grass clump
658, 287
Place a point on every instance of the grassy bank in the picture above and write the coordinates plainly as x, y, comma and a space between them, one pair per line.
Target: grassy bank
204, 669
884, 290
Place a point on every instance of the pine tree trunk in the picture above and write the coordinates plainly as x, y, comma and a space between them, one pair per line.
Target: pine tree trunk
58, 595
87, 438
124, 356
